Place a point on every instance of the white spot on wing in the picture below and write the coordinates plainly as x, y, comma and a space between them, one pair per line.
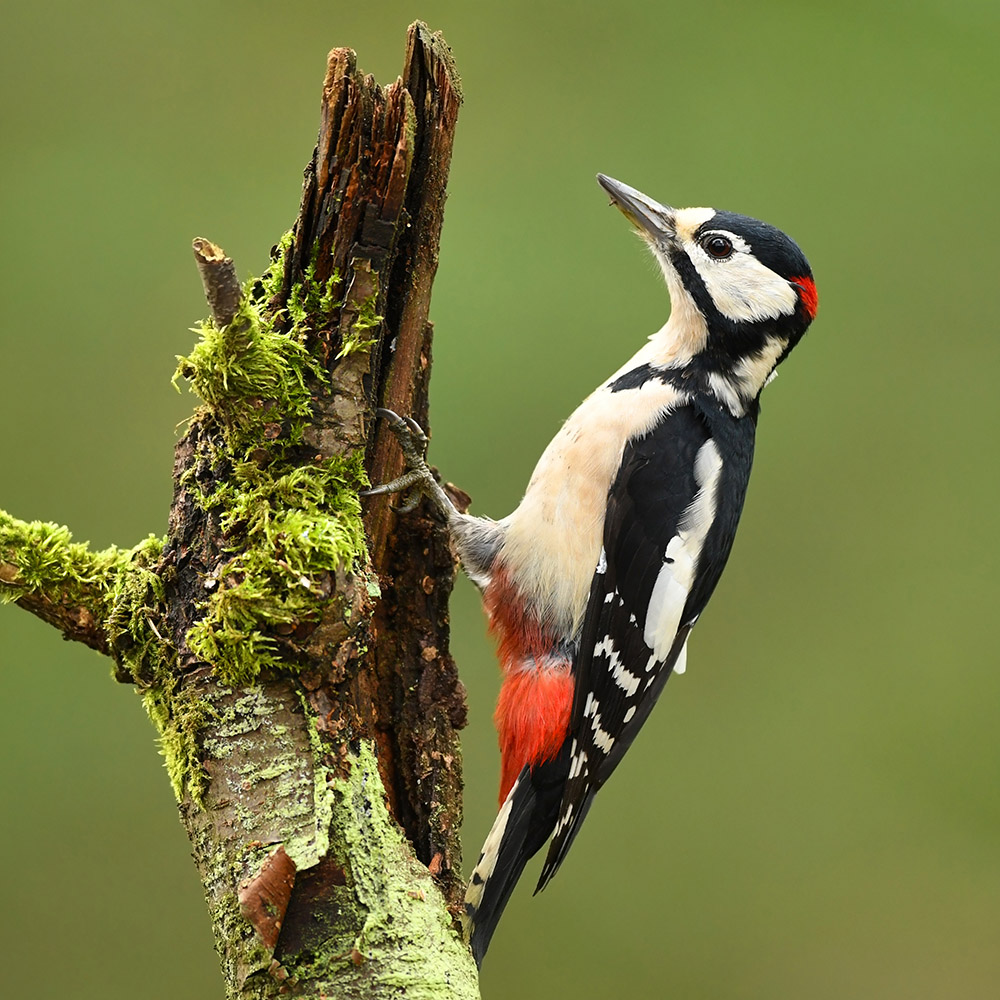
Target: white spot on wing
698, 518
624, 678
670, 591
682, 660
603, 740
563, 820
577, 758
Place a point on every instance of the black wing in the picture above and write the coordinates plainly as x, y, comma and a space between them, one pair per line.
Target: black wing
652, 517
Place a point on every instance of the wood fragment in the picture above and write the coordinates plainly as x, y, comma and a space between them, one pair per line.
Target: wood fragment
264, 899
218, 275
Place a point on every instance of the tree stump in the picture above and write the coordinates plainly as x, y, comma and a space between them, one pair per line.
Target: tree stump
291, 647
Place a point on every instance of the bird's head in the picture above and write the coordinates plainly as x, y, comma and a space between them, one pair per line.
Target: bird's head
742, 292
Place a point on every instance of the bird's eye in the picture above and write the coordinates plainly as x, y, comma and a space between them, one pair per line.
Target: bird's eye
718, 247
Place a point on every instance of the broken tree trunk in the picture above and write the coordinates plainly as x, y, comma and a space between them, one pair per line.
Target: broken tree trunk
292, 651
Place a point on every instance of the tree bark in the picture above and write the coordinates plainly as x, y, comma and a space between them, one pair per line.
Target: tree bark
292, 651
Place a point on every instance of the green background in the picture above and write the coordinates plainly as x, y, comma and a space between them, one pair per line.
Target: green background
813, 810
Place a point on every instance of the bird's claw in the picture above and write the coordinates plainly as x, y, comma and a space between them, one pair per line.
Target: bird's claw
416, 430
418, 480
410, 504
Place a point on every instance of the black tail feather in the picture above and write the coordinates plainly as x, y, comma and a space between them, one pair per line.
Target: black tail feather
563, 840
523, 831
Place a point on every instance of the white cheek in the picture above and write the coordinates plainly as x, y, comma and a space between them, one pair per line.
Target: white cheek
742, 288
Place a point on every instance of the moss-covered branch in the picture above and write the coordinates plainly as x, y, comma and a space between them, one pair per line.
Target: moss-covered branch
64, 582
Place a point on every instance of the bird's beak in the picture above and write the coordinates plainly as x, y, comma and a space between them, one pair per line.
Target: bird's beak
653, 220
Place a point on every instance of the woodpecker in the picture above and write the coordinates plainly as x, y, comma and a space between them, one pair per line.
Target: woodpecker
593, 584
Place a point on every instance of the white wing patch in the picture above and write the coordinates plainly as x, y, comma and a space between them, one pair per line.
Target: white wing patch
666, 603
680, 561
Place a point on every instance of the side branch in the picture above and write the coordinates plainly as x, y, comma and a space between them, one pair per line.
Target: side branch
61, 581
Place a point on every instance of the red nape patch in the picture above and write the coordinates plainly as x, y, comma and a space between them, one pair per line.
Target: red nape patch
532, 718
808, 294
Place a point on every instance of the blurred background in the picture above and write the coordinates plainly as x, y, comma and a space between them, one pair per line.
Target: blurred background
814, 809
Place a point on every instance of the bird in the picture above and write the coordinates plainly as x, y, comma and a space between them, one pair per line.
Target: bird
593, 585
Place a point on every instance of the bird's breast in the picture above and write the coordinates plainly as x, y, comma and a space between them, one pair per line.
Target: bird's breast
553, 540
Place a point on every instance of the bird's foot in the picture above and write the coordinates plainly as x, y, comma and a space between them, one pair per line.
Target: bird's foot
418, 481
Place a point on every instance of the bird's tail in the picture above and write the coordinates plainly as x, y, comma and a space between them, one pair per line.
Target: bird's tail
526, 818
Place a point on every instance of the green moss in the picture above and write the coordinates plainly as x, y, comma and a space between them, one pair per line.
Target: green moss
179, 717
289, 523
125, 596
310, 298
116, 586
288, 534
252, 377
133, 624
272, 279
359, 338
135, 603
254, 373
41, 557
